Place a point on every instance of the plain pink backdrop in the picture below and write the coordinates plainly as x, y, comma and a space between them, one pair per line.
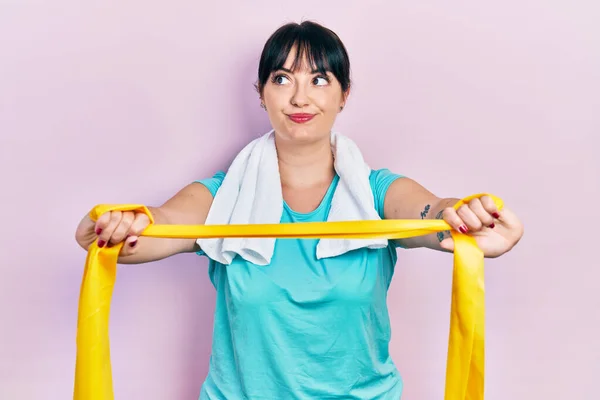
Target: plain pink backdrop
128, 101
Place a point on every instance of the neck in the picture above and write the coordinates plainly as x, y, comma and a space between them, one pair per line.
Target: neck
305, 165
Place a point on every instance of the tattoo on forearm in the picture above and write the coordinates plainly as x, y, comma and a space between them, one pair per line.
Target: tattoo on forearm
444, 234
425, 211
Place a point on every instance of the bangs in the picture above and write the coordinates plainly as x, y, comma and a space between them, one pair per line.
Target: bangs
313, 52
316, 45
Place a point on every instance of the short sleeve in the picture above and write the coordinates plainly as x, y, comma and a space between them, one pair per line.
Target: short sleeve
213, 184
380, 180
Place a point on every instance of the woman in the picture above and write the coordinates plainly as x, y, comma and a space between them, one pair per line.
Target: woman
303, 327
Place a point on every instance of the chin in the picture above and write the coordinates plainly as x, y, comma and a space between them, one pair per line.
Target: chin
302, 133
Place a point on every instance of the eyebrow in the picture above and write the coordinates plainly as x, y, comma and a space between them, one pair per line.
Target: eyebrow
289, 71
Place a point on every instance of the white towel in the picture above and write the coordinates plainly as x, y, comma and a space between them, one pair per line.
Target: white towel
251, 194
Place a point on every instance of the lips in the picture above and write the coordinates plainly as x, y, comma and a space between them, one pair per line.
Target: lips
301, 118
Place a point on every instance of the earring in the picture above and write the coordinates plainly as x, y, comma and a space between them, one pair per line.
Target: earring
262, 105
341, 108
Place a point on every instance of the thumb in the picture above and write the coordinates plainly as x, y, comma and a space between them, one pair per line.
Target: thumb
447, 244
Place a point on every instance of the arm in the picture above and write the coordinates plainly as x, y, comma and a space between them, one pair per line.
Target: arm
495, 231
189, 206
407, 199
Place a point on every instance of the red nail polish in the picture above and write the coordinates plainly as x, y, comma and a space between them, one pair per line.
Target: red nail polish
98, 231
496, 215
463, 229
492, 226
101, 243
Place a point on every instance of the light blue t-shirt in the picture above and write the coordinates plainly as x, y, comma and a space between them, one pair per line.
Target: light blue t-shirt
303, 328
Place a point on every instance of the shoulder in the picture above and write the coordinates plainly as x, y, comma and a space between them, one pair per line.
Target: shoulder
213, 183
381, 180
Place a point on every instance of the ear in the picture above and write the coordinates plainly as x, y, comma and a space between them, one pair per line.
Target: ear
258, 90
345, 96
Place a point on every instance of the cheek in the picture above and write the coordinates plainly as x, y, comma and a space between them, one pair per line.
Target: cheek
273, 96
327, 102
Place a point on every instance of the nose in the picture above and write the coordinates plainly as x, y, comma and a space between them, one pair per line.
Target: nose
299, 97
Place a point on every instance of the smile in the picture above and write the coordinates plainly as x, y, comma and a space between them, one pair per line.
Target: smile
301, 118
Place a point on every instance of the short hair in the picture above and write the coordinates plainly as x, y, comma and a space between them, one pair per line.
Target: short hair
321, 46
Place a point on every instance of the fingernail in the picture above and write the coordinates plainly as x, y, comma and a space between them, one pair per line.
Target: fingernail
492, 226
463, 229
98, 231
496, 215
101, 243
132, 244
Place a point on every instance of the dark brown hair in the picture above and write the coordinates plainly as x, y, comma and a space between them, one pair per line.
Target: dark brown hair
321, 46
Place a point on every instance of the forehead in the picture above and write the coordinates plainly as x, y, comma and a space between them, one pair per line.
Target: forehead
305, 61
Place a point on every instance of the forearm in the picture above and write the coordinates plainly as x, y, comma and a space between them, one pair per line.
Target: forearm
153, 249
431, 210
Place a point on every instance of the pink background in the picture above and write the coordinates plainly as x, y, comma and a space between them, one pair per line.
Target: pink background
129, 101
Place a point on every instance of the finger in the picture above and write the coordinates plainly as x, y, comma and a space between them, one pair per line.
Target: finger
122, 229
129, 246
447, 244
140, 223
490, 207
485, 217
105, 235
102, 222
451, 217
469, 217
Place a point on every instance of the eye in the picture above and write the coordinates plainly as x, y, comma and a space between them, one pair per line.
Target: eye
320, 81
280, 79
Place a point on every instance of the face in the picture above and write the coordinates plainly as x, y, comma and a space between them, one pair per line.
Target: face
302, 105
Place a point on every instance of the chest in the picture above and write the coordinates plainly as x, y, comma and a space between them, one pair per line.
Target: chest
305, 200
295, 278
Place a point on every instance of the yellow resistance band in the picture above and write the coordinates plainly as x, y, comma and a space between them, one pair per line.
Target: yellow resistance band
465, 363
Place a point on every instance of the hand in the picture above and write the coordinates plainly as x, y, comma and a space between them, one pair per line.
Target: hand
111, 228
496, 232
